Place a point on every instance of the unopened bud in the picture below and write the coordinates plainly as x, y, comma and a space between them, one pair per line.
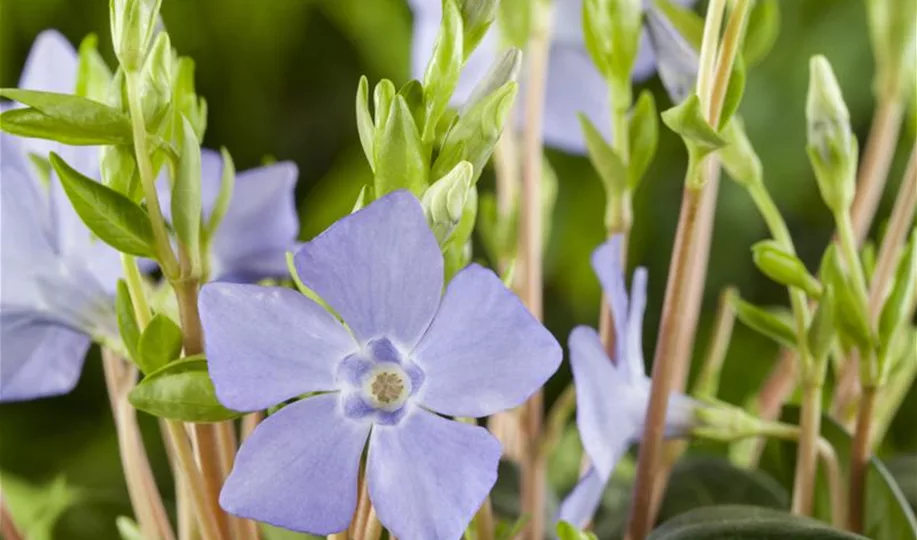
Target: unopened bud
477, 16
132, 26
156, 92
444, 201
784, 267
832, 146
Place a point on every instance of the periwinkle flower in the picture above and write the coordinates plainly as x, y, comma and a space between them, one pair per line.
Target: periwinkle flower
408, 354
573, 83
612, 395
58, 280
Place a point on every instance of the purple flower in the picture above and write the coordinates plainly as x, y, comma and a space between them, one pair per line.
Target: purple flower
573, 82
612, 396
260, 225
407, 352
57, 280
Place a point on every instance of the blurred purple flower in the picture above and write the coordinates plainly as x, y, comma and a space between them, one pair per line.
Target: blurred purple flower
57, 281
573, 83
259, 227
612, 396
407, 352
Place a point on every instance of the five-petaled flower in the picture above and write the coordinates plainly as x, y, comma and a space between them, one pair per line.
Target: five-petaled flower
58, 281
403, 354
611, 396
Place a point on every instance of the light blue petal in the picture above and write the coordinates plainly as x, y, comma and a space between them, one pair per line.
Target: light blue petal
608, 411
268, 344
26, 241
260, 225
606, 262
379, 268
51, 65
633, 333
484, 352
580, 505
428, 475
299, 468
39, 357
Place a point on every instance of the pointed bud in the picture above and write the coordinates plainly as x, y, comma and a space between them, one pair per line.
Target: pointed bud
850, 313
611, 30
766, 322
93, 76
156, 92
832, 146
132, 26
822, 330
477, 16
784, 267
444, 201
895, 312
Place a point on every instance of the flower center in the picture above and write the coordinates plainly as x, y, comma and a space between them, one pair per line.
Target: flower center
387, 387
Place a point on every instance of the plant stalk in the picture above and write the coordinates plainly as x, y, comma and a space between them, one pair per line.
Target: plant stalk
807, 452
859, 460
708, 381
207, 522
534, 475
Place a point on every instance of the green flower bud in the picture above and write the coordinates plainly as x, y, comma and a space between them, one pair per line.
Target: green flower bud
477, 16
444, 201
822, 331
850, 312
119, 171
770, 323
784, 267
832, 146
895, 312
156, 89
611, 29
132, 26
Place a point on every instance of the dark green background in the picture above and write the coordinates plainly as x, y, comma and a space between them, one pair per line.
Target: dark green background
280, 78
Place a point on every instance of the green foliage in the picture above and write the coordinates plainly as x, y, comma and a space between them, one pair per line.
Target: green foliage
765, 322
111, 216
643, 135
784, 267
127, 321
850, 307
746, 523
477, 16
159, 344
186, 197
181, 390
36, 509
516, 21
401, 162
443, 69
611, 29
687, 120
738, 157
132, 26
822, 331
444, 202
93, 75
565, 531
763, 29
734, 91
64, 118
896, 313
904, 471
224, 196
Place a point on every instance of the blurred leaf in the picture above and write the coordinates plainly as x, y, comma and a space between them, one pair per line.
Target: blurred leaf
160, 343
507, 530
186, 197
224, 196
37, 508
111, 216
705, 481
380, 30
276, 533
515, 21
734, 91
127, 321
607, 163
644, 137
735, 522
443, 69
687, 120
565, 531
904, 470
128, 528
765, 322
688, 23
66, 118
763, 30
181, 390
365, 126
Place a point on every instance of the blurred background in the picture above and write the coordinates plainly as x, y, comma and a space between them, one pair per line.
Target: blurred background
280, 79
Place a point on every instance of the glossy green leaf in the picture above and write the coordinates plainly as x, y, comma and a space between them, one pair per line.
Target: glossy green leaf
127, 321
707, 481
765, 322
687, 120
186, 196
111, 216
763, 29
736, 522
182, 390
643, 135
159, 344
65, 118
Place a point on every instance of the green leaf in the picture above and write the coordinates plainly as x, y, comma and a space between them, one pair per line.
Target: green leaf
365, 126
159, 344
736, 522
128, 528
111, 216
516, 21
643, 133
224, 196
739, 157
565, 531
127, 321
119, 171
510, 529
734, 91
400, 158
36, 509
688, 23
904, 470
182, 390
698, 482
92, 75
687, 120
186, 196
763, 29
65, 118
412, 92
765, 323
784, 267
607, 163
896, 313
443, 69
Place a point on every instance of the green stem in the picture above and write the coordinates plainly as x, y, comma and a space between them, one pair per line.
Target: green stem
859, 458
807, 451
708, 382
163, 247
134, 281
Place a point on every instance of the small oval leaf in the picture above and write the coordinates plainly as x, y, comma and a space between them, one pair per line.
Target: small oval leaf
182, 390
159, 344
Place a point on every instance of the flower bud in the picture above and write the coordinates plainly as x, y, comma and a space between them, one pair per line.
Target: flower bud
156, 89
132, 26
444, 201
784, 267
832, 146
895, 312
477, 16
821, 331
611, 30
